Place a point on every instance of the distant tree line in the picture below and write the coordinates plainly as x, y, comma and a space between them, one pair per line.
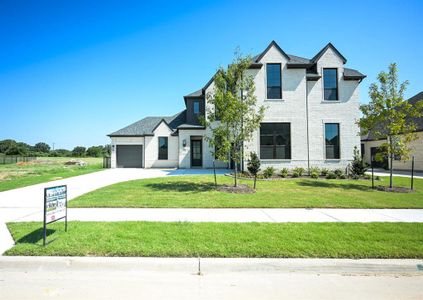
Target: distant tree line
12, 147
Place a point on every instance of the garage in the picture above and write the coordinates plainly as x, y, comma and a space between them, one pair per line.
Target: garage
129, 156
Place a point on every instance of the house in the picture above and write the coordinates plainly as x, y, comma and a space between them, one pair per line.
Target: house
310, 120
370, 146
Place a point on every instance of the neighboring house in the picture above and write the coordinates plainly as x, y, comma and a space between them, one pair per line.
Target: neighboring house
370, 146
310, 120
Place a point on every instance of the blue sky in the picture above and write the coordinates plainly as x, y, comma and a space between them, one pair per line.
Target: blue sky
73, 71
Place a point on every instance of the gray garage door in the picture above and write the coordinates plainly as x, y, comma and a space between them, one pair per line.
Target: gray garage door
129, 156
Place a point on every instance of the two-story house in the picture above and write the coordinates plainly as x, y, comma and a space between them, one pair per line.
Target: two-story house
310, 120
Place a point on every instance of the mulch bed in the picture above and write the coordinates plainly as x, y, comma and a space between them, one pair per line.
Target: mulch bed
240, 189
397, 189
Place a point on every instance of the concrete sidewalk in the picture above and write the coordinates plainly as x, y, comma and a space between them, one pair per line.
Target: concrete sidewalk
273, 215
208, 278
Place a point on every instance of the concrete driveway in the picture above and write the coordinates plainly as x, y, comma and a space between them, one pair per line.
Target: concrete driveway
29, 201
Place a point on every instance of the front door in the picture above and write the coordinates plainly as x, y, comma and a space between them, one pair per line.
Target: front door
196, 153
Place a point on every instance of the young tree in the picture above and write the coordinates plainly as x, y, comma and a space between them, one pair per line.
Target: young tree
232, 113
389, 116
253, 166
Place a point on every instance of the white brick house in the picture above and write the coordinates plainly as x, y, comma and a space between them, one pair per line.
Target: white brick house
310, 120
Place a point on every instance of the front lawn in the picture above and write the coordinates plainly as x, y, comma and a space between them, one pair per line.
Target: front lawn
199, 191
44, 169
332, 240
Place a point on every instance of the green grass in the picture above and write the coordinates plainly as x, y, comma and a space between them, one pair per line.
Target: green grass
198, 191
332, 240
43, 170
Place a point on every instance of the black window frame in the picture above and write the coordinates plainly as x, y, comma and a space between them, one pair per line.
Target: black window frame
163, 155
280, 82
274, 136
331, 89
337, 152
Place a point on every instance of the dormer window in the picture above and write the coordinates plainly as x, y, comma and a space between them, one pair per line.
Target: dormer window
274, 81
330, 83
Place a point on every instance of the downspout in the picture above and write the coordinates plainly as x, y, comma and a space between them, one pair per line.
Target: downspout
307, 125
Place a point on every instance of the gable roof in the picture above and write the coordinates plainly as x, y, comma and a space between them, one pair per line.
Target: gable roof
272, 44
146, 126
321, 52
370, 136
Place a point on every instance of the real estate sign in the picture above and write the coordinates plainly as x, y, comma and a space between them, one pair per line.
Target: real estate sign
55, 206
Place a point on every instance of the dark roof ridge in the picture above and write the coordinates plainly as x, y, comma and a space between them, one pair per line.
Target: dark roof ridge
321, 52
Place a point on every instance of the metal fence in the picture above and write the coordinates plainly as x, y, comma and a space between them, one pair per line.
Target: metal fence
15, 159
107, 162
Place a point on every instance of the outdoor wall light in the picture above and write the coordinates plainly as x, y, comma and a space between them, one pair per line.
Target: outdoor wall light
184, 143
113, 147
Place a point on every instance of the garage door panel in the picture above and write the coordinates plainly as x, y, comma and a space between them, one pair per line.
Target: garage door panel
129, 156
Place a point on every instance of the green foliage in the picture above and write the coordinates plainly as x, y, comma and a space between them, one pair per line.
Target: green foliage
358, 167
389, 116
232, 112
342, 176
298, 170
314, 174
338, 172
41, 147
331, 175
78, 151
95, 151
314, 170
253, 166
268, 172
324, 171
284, 172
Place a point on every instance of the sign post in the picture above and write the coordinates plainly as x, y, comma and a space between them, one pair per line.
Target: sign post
55, 207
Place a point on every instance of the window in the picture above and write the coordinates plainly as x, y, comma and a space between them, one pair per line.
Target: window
275, 141
196, 107
274, 90
332, 140
330, 82
162, 147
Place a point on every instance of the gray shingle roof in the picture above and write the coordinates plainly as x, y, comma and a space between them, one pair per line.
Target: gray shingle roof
351, 74
370, 136
147, 125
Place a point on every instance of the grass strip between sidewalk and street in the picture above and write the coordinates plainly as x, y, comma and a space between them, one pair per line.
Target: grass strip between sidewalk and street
184, 239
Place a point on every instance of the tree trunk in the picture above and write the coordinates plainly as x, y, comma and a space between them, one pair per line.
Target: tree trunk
214, 171
391, 159
235, 177
255, 179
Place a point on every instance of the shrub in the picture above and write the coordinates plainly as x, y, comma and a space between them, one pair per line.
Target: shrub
300, 171
295, 174
314, 170
367, 176
268, 172
314, 174
284, 172
338, 172
377, 177
324, 171
331, 175
342, 176
253, 166
358, 166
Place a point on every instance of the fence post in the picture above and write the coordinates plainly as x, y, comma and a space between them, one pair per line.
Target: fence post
412, 173
373, 180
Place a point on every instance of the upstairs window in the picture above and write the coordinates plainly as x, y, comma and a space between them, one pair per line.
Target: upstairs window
330, 83
332, 140
163, 146
275, 141
274, 81
196, 108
